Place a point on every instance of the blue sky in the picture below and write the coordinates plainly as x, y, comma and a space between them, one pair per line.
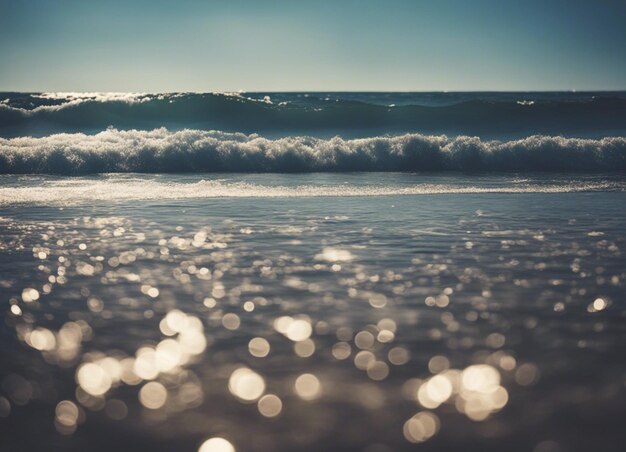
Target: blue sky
391, 45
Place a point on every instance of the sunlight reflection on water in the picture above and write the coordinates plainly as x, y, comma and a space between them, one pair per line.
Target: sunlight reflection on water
278, 325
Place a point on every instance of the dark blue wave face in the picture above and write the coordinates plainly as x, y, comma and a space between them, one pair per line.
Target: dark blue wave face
437, 98
488, 115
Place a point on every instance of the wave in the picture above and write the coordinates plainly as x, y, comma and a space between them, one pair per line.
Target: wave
70, 192
283, 114
164, 151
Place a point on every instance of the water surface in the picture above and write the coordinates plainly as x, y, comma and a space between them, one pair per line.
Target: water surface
320, 312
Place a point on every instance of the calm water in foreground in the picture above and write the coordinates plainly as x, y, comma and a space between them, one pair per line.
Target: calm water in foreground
321, 312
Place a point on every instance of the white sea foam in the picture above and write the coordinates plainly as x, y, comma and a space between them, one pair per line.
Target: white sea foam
73, 99
160, 150
68, 100
73, 191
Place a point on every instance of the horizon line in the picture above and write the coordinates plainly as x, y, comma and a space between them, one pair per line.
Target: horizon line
325, 91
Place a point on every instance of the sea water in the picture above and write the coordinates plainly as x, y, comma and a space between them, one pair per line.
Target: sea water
475, 310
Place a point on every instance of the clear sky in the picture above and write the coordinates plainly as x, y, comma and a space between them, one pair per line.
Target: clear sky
279, 45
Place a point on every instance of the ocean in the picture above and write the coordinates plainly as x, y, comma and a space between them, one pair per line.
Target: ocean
313, 271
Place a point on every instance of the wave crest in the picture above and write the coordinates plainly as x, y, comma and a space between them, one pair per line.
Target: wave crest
164, 151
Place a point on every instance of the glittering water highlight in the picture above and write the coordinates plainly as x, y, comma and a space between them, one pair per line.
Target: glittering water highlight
488, 318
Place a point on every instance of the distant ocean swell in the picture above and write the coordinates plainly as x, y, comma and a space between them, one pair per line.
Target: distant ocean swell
494, 115
164, 151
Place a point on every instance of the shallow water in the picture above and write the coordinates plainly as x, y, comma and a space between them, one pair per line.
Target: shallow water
491, 304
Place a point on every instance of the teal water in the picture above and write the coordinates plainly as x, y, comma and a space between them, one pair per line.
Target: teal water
501, 115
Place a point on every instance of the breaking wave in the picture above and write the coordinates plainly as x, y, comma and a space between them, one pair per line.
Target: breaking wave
164, 151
